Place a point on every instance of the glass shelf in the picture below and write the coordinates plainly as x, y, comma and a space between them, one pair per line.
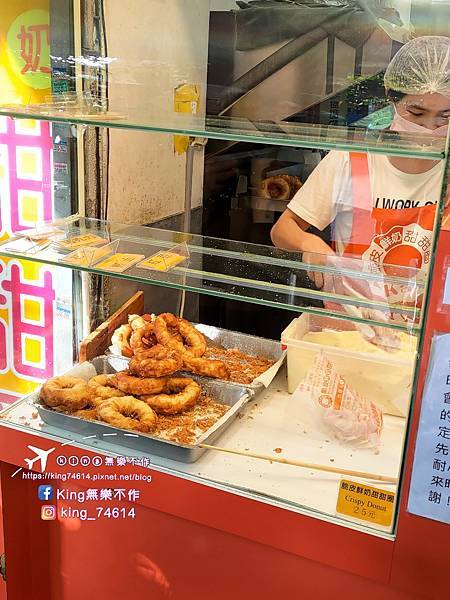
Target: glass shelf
281, 133
353, 289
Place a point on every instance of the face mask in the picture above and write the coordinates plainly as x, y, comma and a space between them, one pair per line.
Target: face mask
401, 124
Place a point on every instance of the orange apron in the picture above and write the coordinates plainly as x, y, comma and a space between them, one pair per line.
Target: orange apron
387, 236
391, 242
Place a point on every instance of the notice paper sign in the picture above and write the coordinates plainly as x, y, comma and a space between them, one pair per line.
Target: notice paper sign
429, 495
365, 503
446, 298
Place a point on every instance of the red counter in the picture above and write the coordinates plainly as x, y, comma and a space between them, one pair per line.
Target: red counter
190, 540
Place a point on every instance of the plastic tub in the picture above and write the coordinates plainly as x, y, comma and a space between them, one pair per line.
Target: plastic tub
386, 378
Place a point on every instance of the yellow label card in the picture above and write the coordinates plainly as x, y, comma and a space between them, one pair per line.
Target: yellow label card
118, 263
77, 241
365, 503
85, 257
162, 261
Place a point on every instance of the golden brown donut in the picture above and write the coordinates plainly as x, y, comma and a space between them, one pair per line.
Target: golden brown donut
205, 367
94, 402
156, 362
179, 334
128, 413
70, 392
89, 414
181, 393
275, 188
167, 332
194, 340
136, 386
280, 187
104, 386
143, 338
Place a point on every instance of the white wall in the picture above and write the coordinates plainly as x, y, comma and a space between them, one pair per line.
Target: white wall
223, 4
158, 45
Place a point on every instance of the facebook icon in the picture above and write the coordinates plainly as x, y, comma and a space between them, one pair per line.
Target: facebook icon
45, 492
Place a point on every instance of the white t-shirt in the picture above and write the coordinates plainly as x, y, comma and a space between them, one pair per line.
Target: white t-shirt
326, 196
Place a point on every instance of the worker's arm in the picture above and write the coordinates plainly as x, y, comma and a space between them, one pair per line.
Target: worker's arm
290, 233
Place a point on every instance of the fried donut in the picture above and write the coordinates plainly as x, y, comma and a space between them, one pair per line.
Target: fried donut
280, 187
143, 338
121, 338
167, 332
104, 386
136, 386
156, 362
206, 367
181, 393
95, 402
71, 392
89, 414
193, 339
128, 413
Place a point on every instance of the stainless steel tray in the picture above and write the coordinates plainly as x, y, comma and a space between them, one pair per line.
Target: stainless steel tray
234, 396
250, 344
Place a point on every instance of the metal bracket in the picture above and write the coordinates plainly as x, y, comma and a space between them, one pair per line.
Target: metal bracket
195, 144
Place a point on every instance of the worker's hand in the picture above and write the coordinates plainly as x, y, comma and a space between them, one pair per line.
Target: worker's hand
317, 252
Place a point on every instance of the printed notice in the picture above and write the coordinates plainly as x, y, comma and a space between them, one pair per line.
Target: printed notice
429, 494
365, 503
446, 297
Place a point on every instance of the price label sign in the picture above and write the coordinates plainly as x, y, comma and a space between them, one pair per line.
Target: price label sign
78, 241
118, 263
162, 261
365, 503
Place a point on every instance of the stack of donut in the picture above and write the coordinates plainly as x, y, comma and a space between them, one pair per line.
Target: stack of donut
165, 345
133, 399
122, 400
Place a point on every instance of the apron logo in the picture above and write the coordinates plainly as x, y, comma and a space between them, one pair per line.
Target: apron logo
408, 245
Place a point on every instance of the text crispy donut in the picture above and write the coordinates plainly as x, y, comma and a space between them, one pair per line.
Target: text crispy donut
156, 362
167, 332
181, 394
121, 338
70, 392
104, 386
128, 413
206, 367
137, 386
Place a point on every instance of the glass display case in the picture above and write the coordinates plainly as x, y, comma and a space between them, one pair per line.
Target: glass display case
302, 398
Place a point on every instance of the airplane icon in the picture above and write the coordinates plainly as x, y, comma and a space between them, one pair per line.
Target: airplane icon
41, 455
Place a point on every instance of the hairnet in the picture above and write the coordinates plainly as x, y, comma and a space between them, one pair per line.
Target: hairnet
422, 66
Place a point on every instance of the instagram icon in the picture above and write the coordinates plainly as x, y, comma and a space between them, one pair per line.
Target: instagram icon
48, 512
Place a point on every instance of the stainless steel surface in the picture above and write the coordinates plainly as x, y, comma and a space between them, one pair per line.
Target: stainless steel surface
250, 344
233, 396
